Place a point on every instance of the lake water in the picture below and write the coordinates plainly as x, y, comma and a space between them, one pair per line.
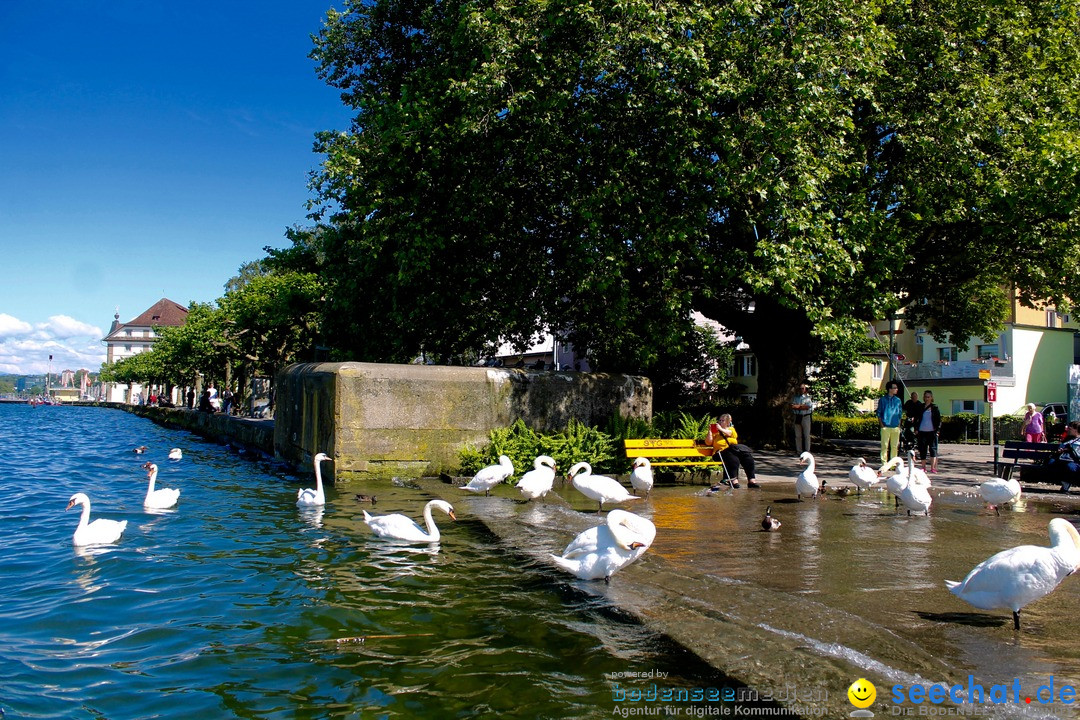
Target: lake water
234, 604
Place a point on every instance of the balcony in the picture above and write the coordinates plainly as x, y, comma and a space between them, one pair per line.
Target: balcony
954, 370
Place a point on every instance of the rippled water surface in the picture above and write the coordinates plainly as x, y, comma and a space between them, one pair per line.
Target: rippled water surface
234, 603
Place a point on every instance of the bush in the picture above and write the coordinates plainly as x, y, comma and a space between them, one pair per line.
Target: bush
863, 427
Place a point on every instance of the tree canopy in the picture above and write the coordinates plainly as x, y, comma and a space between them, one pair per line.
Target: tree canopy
606, 167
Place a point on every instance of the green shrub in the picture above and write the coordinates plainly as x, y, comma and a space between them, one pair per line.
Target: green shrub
862, 427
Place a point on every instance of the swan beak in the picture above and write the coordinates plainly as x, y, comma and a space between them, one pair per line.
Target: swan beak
635, 545
71, 504
452, 515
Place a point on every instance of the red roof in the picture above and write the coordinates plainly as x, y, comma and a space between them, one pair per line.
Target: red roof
164, 312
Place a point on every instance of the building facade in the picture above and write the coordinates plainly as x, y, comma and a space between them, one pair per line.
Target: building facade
137, 336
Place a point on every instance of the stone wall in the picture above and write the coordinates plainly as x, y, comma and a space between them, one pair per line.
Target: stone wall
387, 420
248, 432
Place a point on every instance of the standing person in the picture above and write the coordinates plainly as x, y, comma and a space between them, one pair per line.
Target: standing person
929, 427
912, 415
725, 440
1034, 428
889, 411
803, 407
226, 400
191, 398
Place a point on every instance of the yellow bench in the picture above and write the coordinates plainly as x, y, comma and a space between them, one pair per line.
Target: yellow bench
697, 456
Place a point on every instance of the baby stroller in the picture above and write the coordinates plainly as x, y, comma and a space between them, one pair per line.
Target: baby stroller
907, 437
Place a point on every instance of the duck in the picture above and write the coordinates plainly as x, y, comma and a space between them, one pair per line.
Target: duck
997, 491
597, 487
807, 482
842, 492
140, 450
601, 551
914, 496
176, 454
158, 499
490, 476
99, 532
306, 497
538, 481
401, 527
642, 478
360, 497
1018, 576
769, 523
862, 475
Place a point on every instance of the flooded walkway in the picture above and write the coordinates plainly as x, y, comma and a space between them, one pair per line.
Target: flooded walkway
847, 588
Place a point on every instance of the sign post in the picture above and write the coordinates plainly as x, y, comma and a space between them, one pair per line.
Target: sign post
991, 398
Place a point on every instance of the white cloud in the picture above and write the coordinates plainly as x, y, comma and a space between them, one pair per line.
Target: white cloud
25, 349
12, 327
62, 326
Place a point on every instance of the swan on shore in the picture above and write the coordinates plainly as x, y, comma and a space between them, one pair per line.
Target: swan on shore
862, 475
99, 532
996, 492
913, 495
307, 497
601, 551
402, 527
158, 499
490, 476
807, 482
1021, 575
597, 487
538, 481
642, 478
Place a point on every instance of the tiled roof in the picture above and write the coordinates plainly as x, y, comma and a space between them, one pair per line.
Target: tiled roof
164, 312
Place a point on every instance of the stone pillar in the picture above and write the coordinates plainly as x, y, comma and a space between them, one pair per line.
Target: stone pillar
386, 420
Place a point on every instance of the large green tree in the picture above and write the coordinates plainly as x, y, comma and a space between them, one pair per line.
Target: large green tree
606, 167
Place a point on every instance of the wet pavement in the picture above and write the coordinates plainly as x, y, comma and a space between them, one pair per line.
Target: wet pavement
847, 588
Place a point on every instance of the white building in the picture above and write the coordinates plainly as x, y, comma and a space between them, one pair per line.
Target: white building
137, 336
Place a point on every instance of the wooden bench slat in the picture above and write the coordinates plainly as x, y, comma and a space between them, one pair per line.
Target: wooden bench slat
658, 442
697, 456
669, 452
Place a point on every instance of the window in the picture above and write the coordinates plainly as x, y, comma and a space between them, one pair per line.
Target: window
878, 370
986, 351
947, 354
967, 406
746, 366
127, 348
127, 333
1051, 319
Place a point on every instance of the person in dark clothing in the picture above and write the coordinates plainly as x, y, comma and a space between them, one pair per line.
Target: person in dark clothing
928, 427
1064, 467
204, 402
191, 398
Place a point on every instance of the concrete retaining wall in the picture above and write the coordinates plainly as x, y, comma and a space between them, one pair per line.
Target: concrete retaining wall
258, 434
385, 420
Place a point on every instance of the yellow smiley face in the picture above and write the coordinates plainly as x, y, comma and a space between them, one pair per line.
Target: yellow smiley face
862, 693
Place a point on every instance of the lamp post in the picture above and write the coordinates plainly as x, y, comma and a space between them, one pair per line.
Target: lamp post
892, 345
48, 378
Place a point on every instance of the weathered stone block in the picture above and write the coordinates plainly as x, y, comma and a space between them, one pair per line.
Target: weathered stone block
407, 420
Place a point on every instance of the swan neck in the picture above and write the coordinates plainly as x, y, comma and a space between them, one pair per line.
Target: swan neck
318, 476
84, 518
432, 530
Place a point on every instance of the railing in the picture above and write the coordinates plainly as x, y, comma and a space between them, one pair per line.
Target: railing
953, 370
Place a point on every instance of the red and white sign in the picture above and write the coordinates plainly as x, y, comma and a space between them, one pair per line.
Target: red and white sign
991, 392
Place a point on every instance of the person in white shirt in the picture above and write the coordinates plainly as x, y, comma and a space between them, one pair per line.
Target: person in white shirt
802, 405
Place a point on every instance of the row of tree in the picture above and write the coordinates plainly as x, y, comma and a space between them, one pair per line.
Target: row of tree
606, 167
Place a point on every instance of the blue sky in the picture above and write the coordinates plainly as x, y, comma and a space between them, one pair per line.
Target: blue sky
148, 150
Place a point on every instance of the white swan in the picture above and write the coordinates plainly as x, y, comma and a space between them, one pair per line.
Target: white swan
401, 527
807, 482
862, 475
597, 487
914, 496
918, 475
895, 482
997, 492
176, 454
538, 481
490, 476
601, 551
158, 499
642, 478
99, 532
306, 497
1018, 576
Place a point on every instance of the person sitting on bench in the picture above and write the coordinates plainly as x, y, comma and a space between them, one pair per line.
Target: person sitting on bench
724, 440
1064, 467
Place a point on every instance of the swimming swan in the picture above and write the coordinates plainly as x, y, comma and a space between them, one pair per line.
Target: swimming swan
601, 551
862, 475
642, 478
490, 476
1021, 575
538, 481
176, 454
997, 492
158, 499
99, 532
597, 487
400, 527
306, 497
807, 482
